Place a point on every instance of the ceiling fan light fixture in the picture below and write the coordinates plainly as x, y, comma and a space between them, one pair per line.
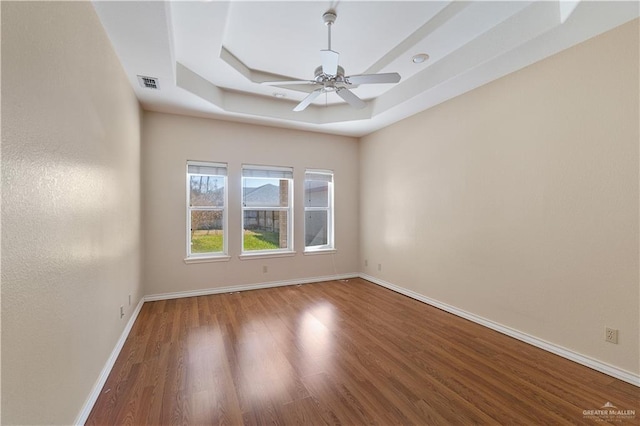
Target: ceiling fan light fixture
419, 58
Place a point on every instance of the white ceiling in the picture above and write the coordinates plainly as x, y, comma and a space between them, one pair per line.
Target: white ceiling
211, 56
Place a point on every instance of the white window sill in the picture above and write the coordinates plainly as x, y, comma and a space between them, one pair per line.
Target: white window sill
263, 255
207, 259
320, 251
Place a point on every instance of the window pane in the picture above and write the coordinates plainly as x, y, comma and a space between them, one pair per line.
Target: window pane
206, 191
259, 192
265, 230
316, 228
316, 193
206, 231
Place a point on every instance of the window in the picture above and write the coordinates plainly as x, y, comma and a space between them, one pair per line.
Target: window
206, 209
267, 208
318, 210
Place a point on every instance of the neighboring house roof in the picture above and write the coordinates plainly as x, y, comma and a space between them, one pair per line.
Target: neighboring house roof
263, 196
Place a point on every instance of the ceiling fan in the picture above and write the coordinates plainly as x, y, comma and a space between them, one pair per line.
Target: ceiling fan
330, 76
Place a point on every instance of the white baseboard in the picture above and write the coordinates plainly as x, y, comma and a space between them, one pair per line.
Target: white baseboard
244, 287
104, 374
600, 366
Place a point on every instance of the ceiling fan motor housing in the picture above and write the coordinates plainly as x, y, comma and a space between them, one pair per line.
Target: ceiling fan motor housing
321, 77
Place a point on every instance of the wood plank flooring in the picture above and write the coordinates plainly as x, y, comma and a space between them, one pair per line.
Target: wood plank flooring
340, 352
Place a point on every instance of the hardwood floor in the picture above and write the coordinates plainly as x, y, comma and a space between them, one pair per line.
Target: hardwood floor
340, 352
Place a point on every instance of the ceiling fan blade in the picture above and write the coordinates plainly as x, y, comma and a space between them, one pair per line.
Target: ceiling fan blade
306, 101
329, 60
392, 77
351, 98
287, 82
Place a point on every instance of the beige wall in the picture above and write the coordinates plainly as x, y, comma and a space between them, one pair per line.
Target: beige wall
170, 140
518, 201
70, 208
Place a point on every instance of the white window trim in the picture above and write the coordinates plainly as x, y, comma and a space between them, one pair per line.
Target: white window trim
330, 246
212, 256
207, 259
262, 254
314, 251
285, 252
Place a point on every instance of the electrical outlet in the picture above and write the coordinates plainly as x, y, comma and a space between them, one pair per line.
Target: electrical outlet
121, 311
265, 269
366, 262
611, 335
379, 266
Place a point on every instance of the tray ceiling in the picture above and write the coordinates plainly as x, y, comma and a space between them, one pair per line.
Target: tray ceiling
211, 56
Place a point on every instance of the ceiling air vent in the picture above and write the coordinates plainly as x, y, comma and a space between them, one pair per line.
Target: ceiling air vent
148, 82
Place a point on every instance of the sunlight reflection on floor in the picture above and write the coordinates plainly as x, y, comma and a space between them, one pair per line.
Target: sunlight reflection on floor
315, 338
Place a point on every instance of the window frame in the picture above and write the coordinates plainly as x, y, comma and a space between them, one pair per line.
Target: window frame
330, 246
275, 170
208, 256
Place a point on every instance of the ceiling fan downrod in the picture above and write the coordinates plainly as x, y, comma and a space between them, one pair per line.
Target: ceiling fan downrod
329, 18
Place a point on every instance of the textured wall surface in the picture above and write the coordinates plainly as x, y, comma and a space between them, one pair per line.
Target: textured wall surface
70, 207
170, 140
518, 201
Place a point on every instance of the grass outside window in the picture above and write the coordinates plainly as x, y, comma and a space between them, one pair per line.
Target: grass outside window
204, 241
261, 240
